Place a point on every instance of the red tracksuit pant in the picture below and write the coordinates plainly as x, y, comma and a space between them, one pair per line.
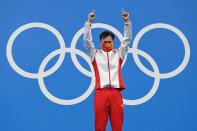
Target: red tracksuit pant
108, 102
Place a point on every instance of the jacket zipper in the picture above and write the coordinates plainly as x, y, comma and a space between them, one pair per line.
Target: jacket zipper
109, 70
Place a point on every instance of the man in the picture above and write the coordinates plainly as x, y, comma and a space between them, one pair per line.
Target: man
107, 67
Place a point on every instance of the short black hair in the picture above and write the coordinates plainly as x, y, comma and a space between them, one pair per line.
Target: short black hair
105, 34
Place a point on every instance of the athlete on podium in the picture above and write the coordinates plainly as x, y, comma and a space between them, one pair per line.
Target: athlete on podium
107, 67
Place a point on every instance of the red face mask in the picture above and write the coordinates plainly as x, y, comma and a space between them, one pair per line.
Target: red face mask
107, 45
106, 48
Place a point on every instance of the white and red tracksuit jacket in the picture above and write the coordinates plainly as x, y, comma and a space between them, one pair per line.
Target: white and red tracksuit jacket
107, 65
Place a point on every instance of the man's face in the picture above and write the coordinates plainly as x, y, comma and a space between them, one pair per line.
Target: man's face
107, 43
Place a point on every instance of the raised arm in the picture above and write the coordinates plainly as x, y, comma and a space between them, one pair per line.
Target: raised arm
127, 35
88, 36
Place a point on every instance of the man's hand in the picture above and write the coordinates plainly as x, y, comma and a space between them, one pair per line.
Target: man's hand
91, 16
125, 15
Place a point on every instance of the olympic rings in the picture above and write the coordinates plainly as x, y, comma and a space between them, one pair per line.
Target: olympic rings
176, 31
41, 74
18, 32
48, 94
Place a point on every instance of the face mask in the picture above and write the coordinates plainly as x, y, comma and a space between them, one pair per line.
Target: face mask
106, 48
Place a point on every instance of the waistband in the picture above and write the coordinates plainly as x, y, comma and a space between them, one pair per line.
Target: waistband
108, 89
